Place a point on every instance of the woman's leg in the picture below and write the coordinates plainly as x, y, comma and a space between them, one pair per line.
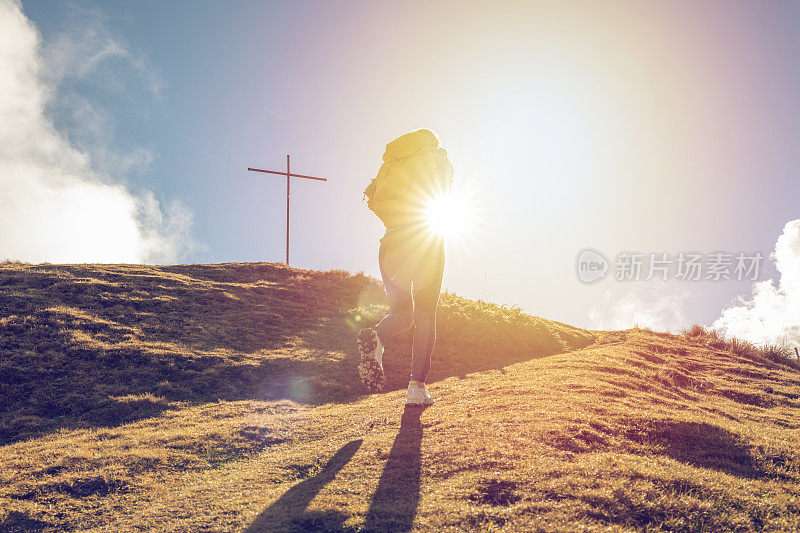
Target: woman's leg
424, 341
394, 265
399, 319
426, 297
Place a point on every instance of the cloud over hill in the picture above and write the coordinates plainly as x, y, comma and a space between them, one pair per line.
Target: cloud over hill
60, 204
772, 314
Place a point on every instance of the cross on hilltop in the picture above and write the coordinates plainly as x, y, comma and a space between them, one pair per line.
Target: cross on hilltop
289, 176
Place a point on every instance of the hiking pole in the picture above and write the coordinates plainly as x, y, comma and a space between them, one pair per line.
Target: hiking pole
288, 175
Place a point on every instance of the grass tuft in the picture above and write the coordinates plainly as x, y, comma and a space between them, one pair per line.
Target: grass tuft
780, 353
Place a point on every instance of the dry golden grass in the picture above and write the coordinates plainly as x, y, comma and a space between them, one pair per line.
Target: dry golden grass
225, 398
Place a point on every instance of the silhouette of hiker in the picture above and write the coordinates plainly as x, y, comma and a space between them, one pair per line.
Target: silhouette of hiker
411, 256
394, 504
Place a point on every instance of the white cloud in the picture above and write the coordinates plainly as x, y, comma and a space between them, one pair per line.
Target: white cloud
54, 203
772, 314
86, 46
645, 304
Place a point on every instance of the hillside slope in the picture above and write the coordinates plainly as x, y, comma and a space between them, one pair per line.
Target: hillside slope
88, 346
225, 397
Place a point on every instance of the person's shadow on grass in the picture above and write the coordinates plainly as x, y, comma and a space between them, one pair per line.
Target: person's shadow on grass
289, 511
394, 504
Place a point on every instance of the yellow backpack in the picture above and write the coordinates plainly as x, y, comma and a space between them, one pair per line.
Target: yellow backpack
415, 170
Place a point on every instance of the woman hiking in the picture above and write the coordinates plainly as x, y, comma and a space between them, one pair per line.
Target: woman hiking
415, 172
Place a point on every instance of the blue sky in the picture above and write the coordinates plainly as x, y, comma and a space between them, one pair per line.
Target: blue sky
621, 127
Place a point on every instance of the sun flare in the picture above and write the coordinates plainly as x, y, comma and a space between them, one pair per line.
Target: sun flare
448, 215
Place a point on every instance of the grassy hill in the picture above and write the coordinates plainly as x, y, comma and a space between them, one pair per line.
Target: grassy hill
226, 398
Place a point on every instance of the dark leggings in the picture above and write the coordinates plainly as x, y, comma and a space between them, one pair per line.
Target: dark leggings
412, 270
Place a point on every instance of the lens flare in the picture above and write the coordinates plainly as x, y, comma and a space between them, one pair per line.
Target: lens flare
448, 215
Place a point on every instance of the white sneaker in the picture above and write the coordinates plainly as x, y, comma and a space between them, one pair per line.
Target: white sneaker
370, 368
418, 396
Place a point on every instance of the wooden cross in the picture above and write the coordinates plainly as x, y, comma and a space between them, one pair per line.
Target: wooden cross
288, 178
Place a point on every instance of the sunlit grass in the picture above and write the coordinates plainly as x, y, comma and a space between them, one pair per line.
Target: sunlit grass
219, 397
